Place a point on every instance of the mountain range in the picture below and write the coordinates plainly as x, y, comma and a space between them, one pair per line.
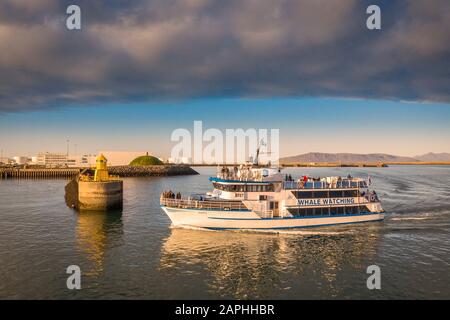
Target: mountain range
355, 157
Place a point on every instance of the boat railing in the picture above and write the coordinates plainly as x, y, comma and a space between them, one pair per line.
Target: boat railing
265, 214
262, 209
202, 204
324, 184
240, 177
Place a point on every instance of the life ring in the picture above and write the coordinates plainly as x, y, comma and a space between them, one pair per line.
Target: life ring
373, 198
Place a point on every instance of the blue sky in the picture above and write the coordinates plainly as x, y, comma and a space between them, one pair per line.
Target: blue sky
306, 125
223, 62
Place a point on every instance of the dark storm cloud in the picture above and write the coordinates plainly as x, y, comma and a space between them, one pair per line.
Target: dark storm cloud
166, 49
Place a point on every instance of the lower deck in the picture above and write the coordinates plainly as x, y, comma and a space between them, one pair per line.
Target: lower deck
249, 220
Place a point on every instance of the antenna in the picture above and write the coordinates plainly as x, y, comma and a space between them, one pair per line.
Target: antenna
261, 143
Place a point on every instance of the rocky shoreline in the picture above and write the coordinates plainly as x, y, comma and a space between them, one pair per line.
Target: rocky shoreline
150, 171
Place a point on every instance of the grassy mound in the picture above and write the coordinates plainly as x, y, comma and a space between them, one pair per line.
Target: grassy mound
146, 161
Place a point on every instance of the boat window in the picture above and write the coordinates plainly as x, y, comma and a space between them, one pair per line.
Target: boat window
353, 210
337, 210
363, 209
326, 211
321, 211
350, 193
320, 194
303, 194
335, 194
362, 184
243, 187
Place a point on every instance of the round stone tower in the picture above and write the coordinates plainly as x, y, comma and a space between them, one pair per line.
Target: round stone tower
99, 193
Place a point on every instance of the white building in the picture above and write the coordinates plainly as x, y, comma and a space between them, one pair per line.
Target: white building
20, 159
5, 160
87, 160
52, 159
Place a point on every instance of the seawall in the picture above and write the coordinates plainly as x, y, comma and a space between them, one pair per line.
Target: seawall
16, 173
122, 171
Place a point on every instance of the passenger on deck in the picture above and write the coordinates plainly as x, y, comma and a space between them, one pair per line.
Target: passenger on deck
227, 173
178, 195
223, 172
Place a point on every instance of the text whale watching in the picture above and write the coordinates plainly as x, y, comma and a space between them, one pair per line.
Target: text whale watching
254, 196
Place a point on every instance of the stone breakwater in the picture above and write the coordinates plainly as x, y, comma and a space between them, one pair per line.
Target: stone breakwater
121, 171
154, 170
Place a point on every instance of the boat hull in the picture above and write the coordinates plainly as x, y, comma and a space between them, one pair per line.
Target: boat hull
210, 219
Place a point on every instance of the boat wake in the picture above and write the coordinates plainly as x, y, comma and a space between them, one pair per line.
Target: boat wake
269, 231
411, 218
428, 215
300, 232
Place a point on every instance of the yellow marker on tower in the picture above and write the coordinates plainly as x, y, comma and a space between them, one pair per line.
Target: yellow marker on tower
101, 170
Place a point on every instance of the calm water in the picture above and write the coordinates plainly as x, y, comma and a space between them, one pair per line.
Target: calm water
136, 254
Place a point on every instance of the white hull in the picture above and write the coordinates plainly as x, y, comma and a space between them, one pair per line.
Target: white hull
215, 219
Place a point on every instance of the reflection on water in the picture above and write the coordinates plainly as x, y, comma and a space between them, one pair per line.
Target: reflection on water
252, 265
136, 255
95, 230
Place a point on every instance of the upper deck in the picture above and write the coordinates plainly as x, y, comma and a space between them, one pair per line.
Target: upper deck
247, 175
326, 183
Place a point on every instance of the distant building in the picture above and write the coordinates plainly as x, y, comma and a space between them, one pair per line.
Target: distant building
55, 160
51, 159
87, 160
121, 158
5, 160
20, 160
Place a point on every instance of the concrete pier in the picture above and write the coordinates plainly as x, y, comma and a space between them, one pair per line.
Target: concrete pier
15, 173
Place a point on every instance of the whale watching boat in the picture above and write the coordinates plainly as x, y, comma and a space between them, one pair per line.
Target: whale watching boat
252, 196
